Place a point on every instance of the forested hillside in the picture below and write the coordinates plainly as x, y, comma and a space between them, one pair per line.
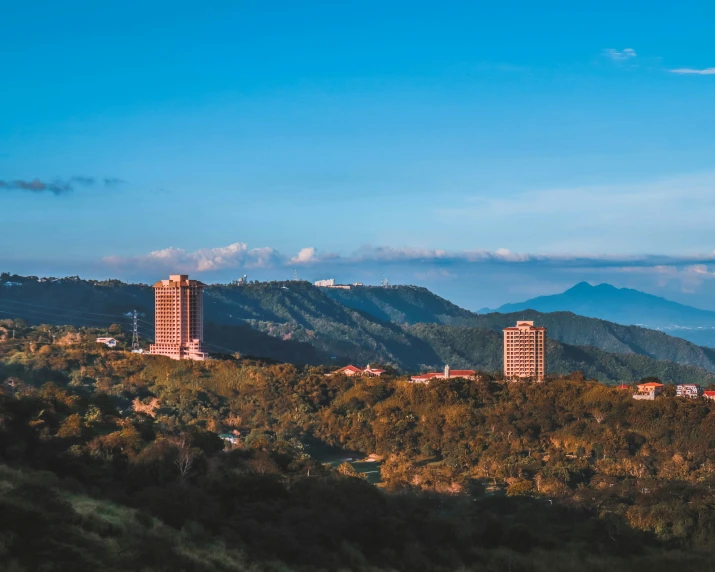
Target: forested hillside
112, 456
464, 347
406, 327
410, 304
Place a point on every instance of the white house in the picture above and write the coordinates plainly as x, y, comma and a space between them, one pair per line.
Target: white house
691, 390
109, 342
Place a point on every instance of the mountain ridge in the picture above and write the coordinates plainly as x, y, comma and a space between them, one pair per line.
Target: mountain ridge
626, 306
301, 323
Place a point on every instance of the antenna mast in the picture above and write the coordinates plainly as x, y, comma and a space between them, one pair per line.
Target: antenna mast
135, 333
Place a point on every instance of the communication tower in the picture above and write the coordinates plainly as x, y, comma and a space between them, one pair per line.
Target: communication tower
135, 332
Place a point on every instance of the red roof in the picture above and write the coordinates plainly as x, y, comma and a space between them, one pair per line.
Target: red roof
623, 386
349, 368
452, 373
709, 393
650, 384
426, 375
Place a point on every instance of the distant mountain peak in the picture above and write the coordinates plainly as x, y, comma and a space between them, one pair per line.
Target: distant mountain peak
623, 306
587, 288
580, 286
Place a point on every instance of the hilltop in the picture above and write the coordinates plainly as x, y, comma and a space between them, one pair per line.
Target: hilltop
404, 326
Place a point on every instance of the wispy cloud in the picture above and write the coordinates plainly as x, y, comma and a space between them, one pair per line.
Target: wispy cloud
620, 55
113, 182
602, 217
58, 186
693, 71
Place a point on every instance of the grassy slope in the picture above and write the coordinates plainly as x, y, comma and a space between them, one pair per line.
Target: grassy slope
44, 526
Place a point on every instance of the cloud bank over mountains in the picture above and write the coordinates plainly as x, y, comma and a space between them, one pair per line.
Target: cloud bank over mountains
239, 255
502, 275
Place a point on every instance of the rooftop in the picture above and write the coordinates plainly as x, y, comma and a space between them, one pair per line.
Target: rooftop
176, 280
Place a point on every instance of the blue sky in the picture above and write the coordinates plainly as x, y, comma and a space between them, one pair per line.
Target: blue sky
490, 152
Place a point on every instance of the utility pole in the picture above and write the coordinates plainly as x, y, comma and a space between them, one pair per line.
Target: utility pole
135, 333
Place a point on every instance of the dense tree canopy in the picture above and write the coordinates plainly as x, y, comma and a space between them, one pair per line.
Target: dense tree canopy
106, 449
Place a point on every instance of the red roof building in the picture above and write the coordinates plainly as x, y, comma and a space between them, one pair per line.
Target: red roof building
446, 374
351, 370
709, 395
649, 390
371, 371
649, 386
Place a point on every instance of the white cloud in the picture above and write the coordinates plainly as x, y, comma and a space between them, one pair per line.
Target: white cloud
306, 256
203, 260
694, 71
472, 278
238, 255
620, 55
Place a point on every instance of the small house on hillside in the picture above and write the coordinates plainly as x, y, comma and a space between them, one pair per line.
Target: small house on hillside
109, 342
691, 390
373, 372
351, 370
230, 438
709, 395
649, 390
447, 374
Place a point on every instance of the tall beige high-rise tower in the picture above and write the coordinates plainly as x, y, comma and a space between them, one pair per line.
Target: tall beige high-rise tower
179, 318
525, 352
